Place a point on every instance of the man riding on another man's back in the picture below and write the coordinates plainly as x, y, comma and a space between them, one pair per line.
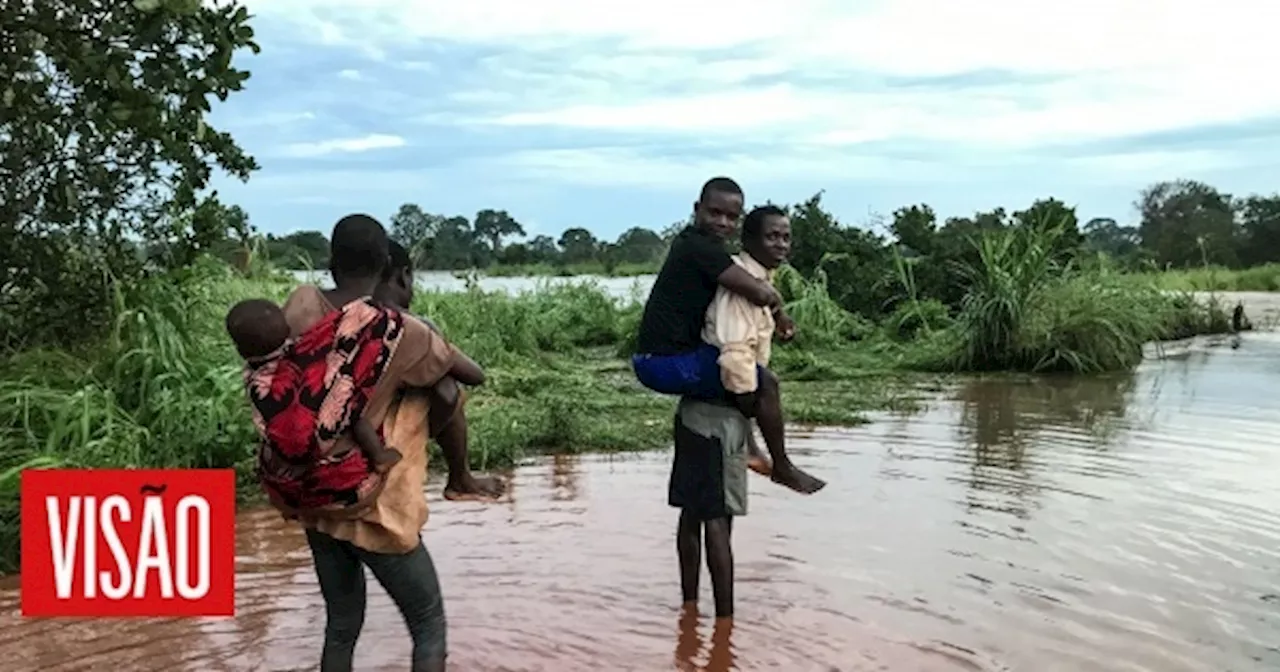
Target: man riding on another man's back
672, 357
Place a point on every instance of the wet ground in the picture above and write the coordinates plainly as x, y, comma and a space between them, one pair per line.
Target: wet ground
1116, 524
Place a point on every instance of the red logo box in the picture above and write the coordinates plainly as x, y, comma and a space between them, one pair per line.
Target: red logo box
128, 542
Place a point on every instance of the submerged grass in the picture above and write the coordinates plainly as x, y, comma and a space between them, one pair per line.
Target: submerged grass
164, 389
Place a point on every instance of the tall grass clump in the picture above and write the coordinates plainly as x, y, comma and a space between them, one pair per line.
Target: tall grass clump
1029, 308
162, 390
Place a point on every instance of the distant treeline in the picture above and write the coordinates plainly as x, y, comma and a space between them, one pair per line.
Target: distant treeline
1179, 224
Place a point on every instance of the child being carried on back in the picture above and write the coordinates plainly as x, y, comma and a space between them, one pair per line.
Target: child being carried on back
261, 334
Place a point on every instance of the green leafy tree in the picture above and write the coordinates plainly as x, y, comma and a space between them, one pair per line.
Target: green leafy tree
1122, 243
639, 246
1186, 223
415, 229
543, 250
915, 226
453, 246
1260, 229
299, 249
494, 226
104, 140
1050, 213
578, 245
858, 262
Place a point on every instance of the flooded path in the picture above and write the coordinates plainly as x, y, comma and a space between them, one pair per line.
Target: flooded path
1119, 524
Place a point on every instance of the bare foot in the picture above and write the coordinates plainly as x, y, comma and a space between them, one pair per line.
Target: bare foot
760, 465
383, 461
793, 477
475, 489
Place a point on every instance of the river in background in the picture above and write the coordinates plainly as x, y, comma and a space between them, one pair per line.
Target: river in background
1123, 523
445, 281
1263, 308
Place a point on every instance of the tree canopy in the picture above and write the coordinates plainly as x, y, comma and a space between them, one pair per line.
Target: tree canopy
105, 145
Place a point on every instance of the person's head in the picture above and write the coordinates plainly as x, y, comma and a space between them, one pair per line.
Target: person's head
396, 287
719, 207
358, 250
257, 327
766, 235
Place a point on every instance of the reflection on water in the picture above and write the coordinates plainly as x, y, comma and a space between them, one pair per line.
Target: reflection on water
1120, 523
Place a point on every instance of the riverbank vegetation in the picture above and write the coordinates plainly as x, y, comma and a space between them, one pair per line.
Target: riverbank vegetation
115, 276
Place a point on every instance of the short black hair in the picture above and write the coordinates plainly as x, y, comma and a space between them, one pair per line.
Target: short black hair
723, 185
398, 260
753, 225
257, 327
359, 247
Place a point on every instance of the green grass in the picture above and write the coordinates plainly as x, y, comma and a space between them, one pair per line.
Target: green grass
1265, 278
1028, 310
164, 389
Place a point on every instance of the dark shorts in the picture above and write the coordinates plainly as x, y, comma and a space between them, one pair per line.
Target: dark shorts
694, 374
709, 470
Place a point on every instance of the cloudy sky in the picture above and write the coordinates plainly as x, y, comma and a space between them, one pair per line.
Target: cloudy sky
609, 114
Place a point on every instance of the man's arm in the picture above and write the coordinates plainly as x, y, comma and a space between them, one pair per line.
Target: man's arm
759, 292
428, 356
465, 370
714, 262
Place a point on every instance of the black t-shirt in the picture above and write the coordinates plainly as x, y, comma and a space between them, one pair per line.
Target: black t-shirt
677, 305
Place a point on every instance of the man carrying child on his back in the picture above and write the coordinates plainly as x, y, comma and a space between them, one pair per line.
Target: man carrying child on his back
673, 357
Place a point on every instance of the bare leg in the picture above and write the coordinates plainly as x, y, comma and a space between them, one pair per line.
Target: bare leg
689, 550
719, 533
448, 424
769, 418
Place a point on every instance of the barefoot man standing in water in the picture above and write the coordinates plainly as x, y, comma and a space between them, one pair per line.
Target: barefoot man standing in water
386, 537
701, 338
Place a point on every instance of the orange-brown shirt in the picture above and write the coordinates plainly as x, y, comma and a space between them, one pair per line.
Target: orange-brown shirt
422, 358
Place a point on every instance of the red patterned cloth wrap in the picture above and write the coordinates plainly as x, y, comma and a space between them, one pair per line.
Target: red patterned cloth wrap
305, 397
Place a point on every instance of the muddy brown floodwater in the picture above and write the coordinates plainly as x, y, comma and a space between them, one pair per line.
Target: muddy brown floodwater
1123, 523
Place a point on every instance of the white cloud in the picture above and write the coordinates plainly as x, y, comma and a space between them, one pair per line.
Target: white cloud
801, 86
344, 145
350, 74
1129, 66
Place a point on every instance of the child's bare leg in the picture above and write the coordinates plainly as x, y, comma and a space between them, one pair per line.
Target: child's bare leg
380, 457
689, 550
448, 425
719, 533
768, 409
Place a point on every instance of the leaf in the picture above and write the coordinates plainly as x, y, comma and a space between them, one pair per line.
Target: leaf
146, 5
120, 112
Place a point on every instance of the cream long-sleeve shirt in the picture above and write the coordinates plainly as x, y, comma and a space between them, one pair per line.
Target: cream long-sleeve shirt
741, 330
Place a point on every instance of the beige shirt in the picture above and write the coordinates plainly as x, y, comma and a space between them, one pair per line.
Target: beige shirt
741, 330
423, 357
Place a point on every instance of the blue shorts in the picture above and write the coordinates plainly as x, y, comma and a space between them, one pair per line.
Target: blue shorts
694, 374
